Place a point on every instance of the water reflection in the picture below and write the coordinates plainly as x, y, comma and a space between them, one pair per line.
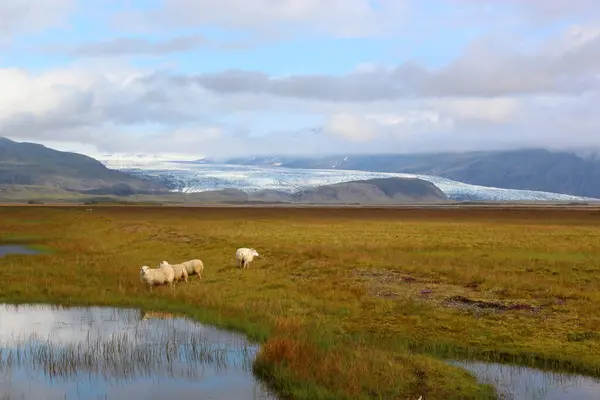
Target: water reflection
54, 352
522, 383
17, 249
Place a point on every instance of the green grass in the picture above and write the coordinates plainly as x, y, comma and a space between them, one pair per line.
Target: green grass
347, 303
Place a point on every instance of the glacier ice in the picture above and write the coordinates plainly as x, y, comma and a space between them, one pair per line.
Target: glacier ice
191, 177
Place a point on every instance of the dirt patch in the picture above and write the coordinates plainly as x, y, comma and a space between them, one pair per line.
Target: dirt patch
384, 276
464, 303
386, 284
170, 236
383, 283
135, 228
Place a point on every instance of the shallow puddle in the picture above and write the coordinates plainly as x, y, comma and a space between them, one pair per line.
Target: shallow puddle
17, 249
50, 352
522, 383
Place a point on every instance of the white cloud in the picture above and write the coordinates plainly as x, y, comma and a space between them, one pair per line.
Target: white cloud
488, 67
502, 90
117, 108
494, 110
361, 128
28, 16
351, 127
342, 18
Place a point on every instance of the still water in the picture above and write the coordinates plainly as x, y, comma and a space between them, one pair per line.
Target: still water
16, 249
51, 352
522, 383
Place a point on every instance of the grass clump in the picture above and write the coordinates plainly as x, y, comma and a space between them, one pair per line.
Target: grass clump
347, 302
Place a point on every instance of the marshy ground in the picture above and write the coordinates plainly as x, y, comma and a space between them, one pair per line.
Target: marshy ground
348, 302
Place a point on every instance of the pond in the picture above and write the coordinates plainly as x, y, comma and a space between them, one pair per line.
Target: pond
54, 352
522, 383
17, 249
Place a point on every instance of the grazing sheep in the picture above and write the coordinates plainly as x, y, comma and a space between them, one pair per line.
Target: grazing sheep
157, 276
179, 269
193, 267
245, 256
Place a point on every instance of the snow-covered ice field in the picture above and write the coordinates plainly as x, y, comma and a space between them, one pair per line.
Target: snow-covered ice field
189, 177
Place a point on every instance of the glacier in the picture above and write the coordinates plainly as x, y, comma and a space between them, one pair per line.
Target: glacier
198, 175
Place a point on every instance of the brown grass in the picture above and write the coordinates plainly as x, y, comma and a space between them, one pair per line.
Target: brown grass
350, 302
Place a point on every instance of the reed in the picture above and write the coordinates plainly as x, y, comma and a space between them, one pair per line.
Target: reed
157, 352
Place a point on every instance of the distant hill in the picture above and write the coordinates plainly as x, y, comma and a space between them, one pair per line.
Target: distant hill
36, 165
379, 190
531, 169
370, 191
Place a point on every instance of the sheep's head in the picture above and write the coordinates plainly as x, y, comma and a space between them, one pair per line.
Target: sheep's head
143, 269
255, 253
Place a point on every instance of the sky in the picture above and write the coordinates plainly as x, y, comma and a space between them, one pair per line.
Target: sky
300, 77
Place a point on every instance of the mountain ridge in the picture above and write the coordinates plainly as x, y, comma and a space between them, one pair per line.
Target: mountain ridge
124, 175
525, 169
24, 163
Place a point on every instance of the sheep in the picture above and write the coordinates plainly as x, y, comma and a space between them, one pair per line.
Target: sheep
179, 270
245, 256
157, 276
193, 267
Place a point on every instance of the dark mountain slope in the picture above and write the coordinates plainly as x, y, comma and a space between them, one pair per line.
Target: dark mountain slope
379, 190
35, 164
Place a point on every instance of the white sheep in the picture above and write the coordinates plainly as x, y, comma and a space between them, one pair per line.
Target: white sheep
192, 267
157, 276
245, 256
179, 270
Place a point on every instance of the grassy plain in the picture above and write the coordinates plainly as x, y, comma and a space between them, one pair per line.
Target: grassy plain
348, 302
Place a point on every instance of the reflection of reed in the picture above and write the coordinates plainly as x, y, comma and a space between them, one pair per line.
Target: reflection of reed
164, 351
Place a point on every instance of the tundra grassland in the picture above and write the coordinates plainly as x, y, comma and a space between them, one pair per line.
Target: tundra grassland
348, 303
